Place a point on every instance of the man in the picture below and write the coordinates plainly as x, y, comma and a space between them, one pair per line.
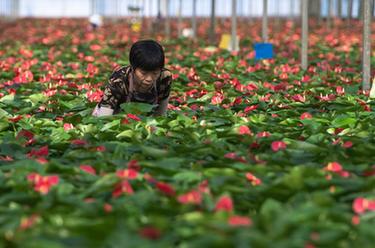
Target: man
145, 80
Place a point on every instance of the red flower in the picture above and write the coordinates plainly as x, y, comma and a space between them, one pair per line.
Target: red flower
263, 134
41, 152
338, 130
356, 220
29, 136
217, 98
360, 205
78, 142
92, 69
234, 156
340, 90
100, 148
15, 119
305, 115
203, 187
237, 220
150, 233
253, 179
122, 187
224, 204
95, 47
68, 126
42, 184
369, 172
244, 130
133, 164
41, 160
94, 96
250, 108
127, 174
347, 144
6, 158
107, 207
299, 98
193, 197
28, 222
165, 188
334, 167
125, 121
278, 145
133, 117
88, 169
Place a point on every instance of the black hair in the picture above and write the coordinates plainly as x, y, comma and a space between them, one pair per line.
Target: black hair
147, 55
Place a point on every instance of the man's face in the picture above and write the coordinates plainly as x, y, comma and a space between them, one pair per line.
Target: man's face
145, 79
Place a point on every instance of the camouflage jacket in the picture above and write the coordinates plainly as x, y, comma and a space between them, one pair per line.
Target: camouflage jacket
117, 90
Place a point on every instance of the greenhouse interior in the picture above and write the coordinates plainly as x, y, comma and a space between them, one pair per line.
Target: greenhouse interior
185, 123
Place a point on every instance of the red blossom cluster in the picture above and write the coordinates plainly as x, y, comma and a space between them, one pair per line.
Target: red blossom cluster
42, 184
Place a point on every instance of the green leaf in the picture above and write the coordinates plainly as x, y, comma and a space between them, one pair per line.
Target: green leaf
154, 152
110, 125
188, 176
7, 98
137, 108
38, 98
3, 113
126, 133
343, 121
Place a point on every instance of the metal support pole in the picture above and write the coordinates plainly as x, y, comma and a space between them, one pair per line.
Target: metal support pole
350, 9
179, 24
350, 13
265, 21
366, 57
167, 21
339, 9
159, 9
250, 12
277, 17
15, 9
291, 8
305, 33
234, 25
213, 22
329, 15
194, 19
360, 9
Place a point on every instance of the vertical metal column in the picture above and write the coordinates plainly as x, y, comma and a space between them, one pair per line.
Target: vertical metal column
366, 57
213, 22
15, 9
265, 21
250, 12
234, 25
350, 13
179, 24
277, 16
292, 6
194, 19
329, 15
360, 9
305, 33
159, 9
339, 9
167, 24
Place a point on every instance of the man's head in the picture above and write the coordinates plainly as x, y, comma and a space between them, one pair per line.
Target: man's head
147, 60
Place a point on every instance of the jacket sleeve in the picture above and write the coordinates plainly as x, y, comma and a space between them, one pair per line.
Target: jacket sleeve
165, 85
115, 92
